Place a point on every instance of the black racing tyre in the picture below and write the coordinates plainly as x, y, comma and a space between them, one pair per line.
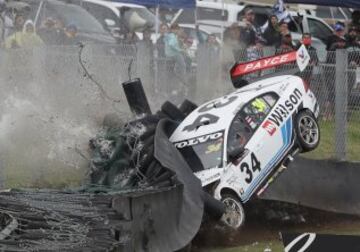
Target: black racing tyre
234, 216
187, 107
307, 131
172, 111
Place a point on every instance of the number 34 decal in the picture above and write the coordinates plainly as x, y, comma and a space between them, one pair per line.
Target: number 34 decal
255, 166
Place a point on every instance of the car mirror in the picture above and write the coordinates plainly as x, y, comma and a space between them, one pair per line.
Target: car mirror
236, 153
110, 22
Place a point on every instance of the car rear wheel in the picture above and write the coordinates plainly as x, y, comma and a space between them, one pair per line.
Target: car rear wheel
234, 216
307, 130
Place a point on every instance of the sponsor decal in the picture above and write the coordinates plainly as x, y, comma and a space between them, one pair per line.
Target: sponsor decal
199, 140
265, 63
311, 242
301, 57
213, 177
214, 147
282, 111
269, 127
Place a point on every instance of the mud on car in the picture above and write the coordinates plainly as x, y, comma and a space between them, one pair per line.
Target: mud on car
236, 143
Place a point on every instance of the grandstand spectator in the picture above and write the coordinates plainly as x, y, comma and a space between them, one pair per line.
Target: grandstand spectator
130, 37
352, 40
212, 44
254, 52
285, 47
146, 43
30, 39
160, 43
355, 20
314, 60
251, 31
174, 51
47, 31
338, 36
52, 32
185, 44
284, 28
19, 22
272, 33
71, 35
234, 45
286, 44
27, 38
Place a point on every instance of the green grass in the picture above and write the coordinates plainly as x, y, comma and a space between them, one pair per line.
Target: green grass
22, 172
326, 149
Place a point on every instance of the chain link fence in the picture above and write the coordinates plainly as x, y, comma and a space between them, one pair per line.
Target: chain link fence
54, 99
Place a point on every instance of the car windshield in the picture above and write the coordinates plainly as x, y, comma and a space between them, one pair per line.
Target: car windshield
204, 155
72, 14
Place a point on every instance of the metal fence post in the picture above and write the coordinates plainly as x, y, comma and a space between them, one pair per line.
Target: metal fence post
341, 102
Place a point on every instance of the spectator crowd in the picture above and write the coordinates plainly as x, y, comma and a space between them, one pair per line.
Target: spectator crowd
243, 42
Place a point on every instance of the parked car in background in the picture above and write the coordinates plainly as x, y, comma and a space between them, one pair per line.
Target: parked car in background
302, 21
209, 11
110, 14
329, 14
88, 28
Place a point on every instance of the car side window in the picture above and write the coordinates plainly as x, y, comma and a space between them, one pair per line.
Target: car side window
204, 13
256, 111
318, 29
248, 119
329, 12
295, 25
240, 132
101, 13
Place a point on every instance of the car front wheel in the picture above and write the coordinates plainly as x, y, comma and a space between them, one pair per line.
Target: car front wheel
307, 130
234, 216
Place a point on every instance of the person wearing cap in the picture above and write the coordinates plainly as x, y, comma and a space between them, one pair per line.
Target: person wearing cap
251, 31
338, 36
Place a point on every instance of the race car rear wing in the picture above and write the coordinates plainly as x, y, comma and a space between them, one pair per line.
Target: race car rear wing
239, 70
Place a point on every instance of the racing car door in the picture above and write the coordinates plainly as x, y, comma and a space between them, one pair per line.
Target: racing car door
260, 146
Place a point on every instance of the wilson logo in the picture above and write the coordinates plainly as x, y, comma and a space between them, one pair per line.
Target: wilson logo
282, 111
269, 127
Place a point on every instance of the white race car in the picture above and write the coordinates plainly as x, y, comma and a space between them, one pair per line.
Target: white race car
236, 143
